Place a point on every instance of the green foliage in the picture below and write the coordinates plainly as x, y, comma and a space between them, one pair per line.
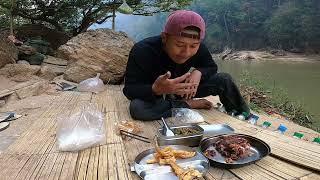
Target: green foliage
254, 24
295, 26
76, 16
4, 15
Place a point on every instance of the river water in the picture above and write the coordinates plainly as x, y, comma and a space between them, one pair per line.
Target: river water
301, 80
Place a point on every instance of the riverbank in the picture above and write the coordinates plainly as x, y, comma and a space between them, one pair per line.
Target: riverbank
266, 55
276, 120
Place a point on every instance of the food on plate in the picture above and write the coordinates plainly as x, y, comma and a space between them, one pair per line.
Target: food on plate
183, 174
168, 156
210, 152
233, 148
185, 131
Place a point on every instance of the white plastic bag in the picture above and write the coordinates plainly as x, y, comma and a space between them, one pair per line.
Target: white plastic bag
94, 85
125, 8
81, 130
185, 115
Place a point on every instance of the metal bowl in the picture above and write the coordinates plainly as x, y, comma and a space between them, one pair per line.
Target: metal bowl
187, 140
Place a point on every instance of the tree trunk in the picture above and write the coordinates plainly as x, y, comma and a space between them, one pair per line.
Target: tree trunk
11, 16
113, 16
226, 26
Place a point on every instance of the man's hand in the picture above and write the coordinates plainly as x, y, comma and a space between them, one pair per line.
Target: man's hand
194, 78
164, 85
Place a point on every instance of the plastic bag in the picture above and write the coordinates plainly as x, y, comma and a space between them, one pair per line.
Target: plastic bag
81, 130
185, 115
94, 85
125, 8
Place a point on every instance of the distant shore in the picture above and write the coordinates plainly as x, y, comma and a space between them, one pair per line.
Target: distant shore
285, 56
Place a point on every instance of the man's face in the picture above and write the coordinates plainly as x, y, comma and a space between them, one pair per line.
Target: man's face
180, 49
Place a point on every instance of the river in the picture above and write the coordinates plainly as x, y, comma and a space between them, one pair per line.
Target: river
301, 80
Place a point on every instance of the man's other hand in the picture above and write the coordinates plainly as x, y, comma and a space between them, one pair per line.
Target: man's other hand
164, 85
194, 78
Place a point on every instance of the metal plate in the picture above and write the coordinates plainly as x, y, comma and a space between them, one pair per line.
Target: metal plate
259, 149
216, 129
155, 171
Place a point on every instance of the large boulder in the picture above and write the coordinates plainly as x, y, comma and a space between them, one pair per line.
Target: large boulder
8, 52
96, 51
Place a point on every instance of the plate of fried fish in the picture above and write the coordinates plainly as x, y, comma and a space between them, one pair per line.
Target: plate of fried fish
171, 162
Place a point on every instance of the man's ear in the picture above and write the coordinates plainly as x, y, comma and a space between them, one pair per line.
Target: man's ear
164, 37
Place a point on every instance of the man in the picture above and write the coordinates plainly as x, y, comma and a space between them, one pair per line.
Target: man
168, 71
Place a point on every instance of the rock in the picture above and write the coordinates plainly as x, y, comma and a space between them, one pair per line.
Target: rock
35, 59
2, 103
46, 73
26, 50
55, 61
23, 62
226, 52
33, 90
11, 98
40, 45
296, 50
58, 70
56, 65
8, 52
23, 78
96, 51
11, 70
278, 52
54, 37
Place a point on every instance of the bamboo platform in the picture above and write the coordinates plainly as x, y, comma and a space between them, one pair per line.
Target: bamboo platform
34, 154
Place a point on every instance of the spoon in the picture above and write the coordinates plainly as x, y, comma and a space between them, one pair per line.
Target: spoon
166, 131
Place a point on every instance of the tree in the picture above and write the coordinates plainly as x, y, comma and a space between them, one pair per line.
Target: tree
77, 16
295, 26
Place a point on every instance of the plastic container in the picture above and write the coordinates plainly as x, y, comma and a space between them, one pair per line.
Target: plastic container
298, 135
245, 114
240, 117
316, 140
221, 108
266, 124
253, 119
282, 129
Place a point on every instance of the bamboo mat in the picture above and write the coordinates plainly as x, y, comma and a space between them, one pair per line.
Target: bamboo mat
34, 154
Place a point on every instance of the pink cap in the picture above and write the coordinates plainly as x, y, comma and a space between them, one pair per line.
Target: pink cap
178, 20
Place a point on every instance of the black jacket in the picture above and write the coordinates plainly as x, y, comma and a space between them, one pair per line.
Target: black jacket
147, 60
